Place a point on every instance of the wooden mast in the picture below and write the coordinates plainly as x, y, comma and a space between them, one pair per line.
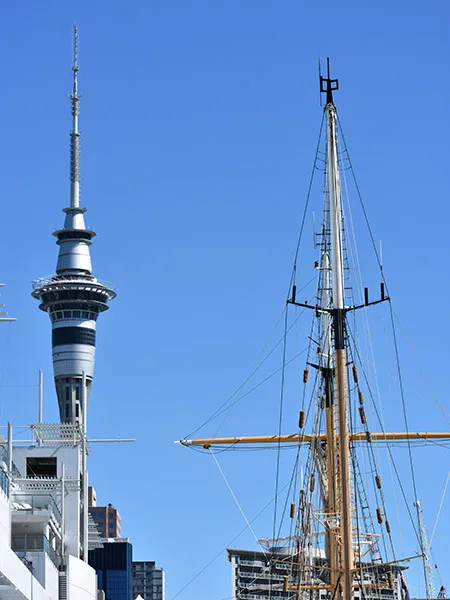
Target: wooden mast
342, 458
330, 416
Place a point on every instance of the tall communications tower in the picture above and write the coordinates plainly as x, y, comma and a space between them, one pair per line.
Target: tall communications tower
73, 297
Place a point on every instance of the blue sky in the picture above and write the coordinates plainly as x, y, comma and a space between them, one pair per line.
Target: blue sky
199, 122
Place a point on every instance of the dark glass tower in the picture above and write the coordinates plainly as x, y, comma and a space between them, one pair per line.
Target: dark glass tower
113, 565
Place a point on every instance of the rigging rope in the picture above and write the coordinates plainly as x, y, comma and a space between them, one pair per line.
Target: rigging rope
253, 370
416, 358
405, 418
223, 407
308, 196
418, 530
280, 422
440, 508
219, 554
388, 446
256, 368
235, 499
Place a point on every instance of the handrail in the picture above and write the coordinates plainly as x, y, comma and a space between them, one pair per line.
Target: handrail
79, 278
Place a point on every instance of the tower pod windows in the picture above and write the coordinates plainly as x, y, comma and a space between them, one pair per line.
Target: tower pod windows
74, 314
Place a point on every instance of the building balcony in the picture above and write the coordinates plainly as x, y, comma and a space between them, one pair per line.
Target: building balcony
4, 481
40, 504
22, 544
261, 576
251, 563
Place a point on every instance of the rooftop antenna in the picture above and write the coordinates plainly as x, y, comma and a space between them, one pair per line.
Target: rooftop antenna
40, 396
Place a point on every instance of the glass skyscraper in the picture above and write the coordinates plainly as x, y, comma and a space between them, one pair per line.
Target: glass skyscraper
113, 565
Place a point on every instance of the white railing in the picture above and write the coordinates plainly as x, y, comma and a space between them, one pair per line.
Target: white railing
80, 278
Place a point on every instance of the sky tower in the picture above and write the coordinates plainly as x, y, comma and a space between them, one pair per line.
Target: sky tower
73, 297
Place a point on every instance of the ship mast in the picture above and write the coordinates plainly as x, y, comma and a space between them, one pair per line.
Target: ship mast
335, 575
341, 458
330, 497
333, 446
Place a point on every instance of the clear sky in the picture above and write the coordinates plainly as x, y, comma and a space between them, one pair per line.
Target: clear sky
199, 121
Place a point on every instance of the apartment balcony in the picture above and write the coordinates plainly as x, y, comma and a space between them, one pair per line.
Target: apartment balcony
42, 505
251, 563
4, 481
24, 544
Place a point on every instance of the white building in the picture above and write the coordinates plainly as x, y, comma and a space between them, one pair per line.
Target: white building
45, 529
43, 523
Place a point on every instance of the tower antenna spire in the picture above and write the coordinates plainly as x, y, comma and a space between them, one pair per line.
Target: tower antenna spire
75, 134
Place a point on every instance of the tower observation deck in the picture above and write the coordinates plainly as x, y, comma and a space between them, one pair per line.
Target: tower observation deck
73, 297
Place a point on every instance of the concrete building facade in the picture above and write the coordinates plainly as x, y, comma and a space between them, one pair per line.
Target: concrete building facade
148, 580
256, 577
106, 518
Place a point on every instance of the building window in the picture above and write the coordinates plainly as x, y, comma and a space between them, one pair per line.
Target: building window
42, 466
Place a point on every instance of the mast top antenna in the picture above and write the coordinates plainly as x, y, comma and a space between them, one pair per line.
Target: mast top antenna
328, 85
75, 134
75, 48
